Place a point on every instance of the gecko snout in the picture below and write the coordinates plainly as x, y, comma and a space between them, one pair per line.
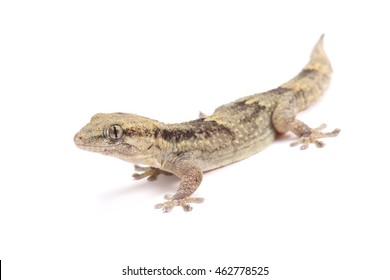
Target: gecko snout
78, 139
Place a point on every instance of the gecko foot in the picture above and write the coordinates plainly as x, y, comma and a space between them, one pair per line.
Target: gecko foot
170, 203
150, 172
313, 137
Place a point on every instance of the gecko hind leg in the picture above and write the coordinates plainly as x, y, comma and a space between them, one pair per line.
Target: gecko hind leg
311, 135
150, 172
168, 205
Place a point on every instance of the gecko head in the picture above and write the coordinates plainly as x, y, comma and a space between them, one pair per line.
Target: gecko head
126, 136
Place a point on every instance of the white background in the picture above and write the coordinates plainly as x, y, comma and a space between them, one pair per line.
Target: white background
70, 214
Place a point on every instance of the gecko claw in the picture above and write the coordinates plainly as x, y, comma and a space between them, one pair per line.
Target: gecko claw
313, 136
319, 144
168, 205
150, 172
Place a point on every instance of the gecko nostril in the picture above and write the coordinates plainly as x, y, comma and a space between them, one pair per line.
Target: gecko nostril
77, 138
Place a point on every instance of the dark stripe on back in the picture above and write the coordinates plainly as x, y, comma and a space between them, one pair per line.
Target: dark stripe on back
248, 111
196, 129
278, 90
306, 72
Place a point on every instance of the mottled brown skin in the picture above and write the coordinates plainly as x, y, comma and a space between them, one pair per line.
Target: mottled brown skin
233, 132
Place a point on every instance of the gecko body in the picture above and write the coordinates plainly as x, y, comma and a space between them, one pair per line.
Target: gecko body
233, 132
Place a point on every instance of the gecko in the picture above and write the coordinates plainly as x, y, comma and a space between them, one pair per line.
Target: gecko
233, 132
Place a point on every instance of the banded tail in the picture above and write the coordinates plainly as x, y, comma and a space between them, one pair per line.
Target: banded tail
314, 78
319, 61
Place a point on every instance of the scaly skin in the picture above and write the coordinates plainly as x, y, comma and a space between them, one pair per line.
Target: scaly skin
233, 132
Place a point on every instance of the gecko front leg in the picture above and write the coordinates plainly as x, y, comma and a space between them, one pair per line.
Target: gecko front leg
191, 176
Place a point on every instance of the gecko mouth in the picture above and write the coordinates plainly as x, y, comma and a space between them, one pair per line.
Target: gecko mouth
111, 149
95, 148
79, 141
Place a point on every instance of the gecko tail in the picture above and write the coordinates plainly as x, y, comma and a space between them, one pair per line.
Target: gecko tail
318, 68
319, 61
313, 79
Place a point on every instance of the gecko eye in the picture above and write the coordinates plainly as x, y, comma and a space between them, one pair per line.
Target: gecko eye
114, 132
